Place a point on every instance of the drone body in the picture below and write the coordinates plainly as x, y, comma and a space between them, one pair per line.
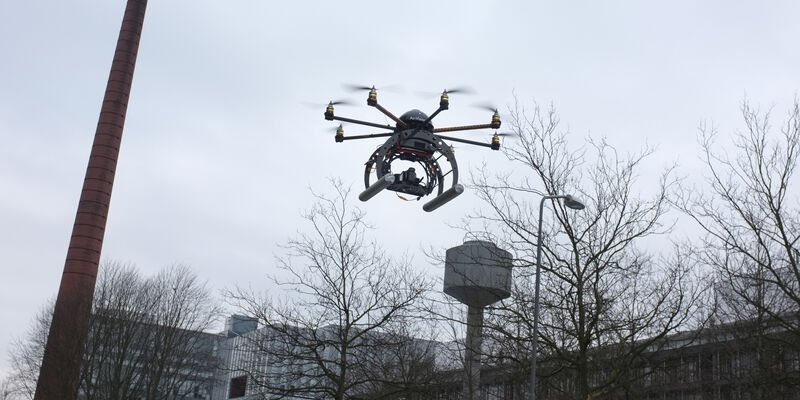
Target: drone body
414, 140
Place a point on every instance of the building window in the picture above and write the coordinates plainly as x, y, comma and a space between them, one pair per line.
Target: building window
238, 387
791, 361
690, 369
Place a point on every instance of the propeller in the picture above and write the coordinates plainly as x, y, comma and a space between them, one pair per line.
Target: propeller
512, 135
486, 106
361, 88
341, 102
459, 89
500, 134
338, 132
333, 129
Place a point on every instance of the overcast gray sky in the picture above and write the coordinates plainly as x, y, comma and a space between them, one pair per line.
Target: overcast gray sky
219, 151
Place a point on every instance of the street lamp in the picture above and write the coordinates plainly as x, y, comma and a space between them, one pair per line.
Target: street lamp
575, 204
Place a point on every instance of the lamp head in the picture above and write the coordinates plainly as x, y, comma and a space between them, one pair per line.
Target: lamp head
573, 203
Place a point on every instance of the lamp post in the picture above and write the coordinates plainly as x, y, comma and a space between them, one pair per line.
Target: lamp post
575, 204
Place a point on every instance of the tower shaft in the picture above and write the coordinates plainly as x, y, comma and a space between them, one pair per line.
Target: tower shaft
60, 372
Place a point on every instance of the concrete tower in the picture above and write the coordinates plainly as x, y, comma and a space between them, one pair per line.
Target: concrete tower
477, 273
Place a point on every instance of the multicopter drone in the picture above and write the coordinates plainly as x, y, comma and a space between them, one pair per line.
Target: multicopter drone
413, 139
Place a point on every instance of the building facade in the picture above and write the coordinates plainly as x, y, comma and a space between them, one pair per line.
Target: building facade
726, 362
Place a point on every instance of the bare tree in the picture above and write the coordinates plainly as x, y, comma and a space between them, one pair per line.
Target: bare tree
10, 391
181, 353
146, 338
26, 354
606, 301
335, 324
402, 365
113, 358
748, 211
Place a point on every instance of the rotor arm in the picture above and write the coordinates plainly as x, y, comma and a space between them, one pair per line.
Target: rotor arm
444, 104
372, 100
454, 139
495, 124
355, 121
388, 114
435, 113
467, 127
374, 135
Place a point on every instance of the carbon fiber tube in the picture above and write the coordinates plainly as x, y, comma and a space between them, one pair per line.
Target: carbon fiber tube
376, 187
443, 198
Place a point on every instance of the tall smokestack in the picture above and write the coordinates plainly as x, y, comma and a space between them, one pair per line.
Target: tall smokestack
61, 366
